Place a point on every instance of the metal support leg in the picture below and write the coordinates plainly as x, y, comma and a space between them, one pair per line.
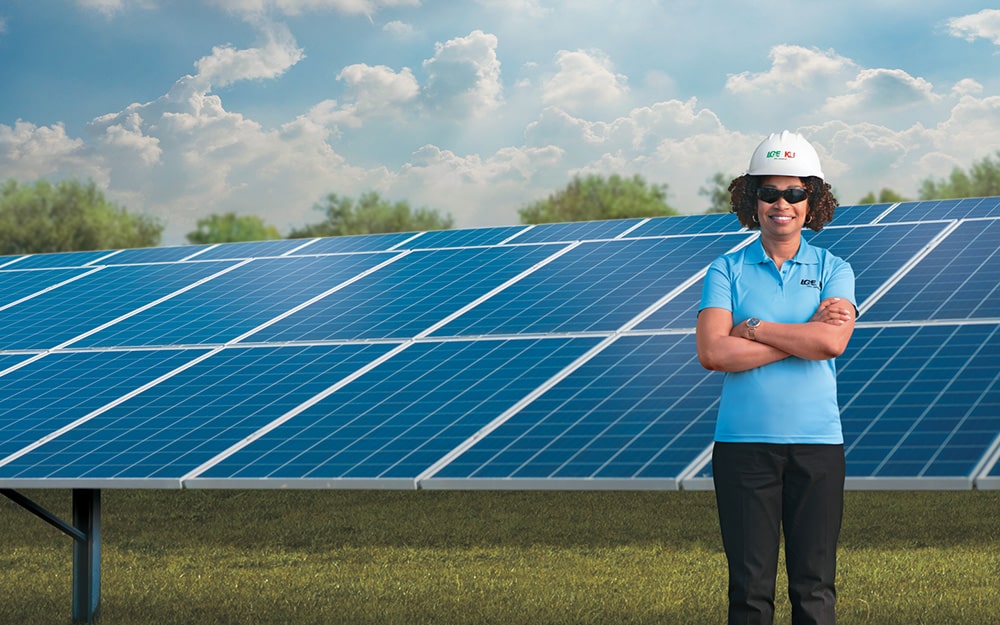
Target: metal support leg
86, 534
87, 556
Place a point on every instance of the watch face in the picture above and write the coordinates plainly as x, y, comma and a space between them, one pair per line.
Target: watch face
753, 322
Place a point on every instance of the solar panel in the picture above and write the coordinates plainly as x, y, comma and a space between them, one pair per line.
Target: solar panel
944, 209
556, 356
635, 414
688, 224
223, 308
256, 249
408, 296
462, 238
158, 435
16, 285
550, 356
876, 253
358, 243
576, 231
859, 215
58, 316
51, 391
399, 418
596, 286
55, 261
920, 403
153, 255
957, 279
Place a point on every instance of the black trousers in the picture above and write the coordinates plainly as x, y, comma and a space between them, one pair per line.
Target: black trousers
761, 489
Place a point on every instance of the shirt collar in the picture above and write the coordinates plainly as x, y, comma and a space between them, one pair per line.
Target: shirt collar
807, 254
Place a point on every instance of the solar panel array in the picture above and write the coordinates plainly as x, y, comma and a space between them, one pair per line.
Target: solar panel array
554, 356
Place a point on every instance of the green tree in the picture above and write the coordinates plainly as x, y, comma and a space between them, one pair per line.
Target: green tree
370, 215
717, 193
232, 228
69, 216
983, 180
594, 197
885, 196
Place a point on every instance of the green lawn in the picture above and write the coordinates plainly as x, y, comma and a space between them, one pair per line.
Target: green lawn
509, 558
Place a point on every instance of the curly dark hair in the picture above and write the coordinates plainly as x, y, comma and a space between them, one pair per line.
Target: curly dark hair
743, 199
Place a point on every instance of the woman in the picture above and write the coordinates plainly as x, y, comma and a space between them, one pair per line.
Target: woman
773, 317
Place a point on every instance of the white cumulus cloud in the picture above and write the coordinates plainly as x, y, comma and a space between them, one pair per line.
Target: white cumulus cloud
227, 64
880, 90
585, 83
28, 152
794, 68
463, 77
377, 90
985, 25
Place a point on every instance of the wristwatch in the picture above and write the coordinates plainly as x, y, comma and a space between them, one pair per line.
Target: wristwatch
752, 324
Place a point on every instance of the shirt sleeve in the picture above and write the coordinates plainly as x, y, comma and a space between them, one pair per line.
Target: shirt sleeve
840, 282
717, 289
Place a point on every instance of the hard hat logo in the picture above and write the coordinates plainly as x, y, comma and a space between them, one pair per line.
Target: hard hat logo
785, 154
780, 154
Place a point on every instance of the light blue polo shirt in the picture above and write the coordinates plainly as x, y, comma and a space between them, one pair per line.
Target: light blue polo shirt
793, 400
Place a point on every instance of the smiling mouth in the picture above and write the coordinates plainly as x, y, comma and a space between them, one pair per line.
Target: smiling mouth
781, 218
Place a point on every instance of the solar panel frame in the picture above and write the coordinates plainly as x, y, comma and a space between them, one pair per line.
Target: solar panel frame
989, 477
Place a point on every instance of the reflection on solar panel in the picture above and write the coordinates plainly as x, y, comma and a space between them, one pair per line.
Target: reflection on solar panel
548, 356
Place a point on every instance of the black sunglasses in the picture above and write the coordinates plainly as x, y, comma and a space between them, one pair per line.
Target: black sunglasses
771, 195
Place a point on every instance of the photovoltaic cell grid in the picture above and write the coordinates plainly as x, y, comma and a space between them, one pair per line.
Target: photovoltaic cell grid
46, 394
596, 286
58, 316
956, 280
188, 418
515, 357
919, 405
408, 296
405, 415
236, 302
965, 208
875, 253
640, 410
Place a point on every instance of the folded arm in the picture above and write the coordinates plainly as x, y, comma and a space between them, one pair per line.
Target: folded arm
723, 346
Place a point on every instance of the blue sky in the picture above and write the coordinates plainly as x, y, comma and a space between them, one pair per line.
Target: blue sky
185, 108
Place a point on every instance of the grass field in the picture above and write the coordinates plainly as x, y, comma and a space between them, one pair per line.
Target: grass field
505, 558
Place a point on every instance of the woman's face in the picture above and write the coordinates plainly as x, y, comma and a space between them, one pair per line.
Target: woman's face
781, 218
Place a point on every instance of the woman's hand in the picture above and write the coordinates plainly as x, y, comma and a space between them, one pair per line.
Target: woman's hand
833, 310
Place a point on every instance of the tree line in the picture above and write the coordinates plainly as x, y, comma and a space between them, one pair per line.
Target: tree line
73, 216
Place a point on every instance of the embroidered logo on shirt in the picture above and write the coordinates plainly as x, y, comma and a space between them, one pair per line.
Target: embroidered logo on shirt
814, 284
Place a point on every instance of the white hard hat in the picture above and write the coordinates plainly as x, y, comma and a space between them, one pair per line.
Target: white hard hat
787, 154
